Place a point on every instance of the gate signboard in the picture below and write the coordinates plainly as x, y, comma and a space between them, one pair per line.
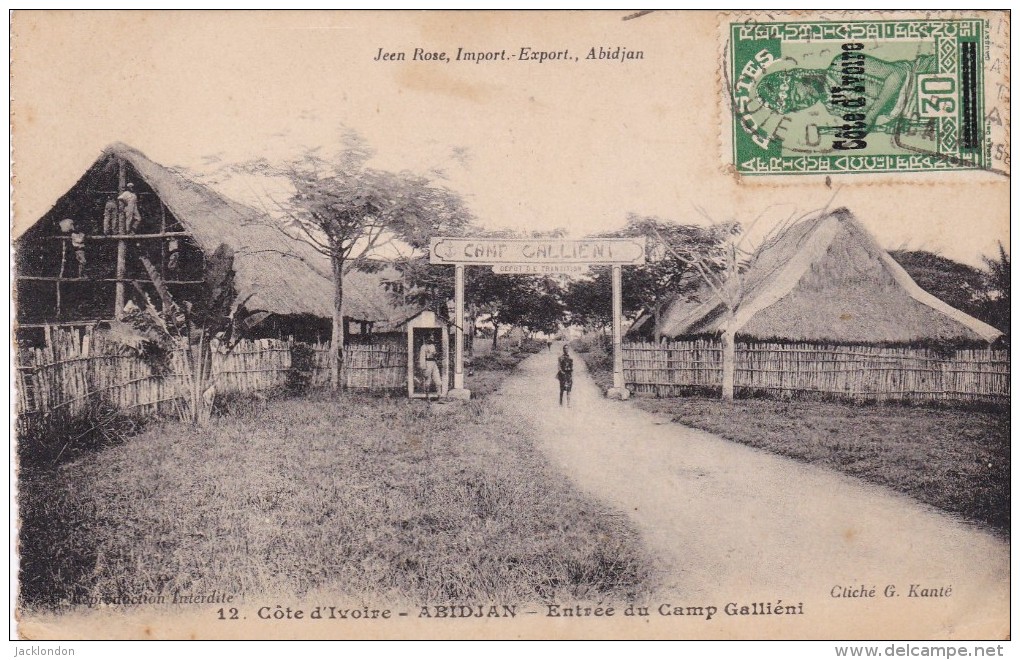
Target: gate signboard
491, 251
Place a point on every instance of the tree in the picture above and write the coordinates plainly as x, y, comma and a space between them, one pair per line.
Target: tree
959, 285
996, 305
590, 300
529, 301
348, 212
982, 293
721, 269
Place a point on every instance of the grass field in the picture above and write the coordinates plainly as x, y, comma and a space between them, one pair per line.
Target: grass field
363, 496
955, 459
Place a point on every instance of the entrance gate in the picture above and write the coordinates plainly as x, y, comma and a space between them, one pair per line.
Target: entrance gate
537, 256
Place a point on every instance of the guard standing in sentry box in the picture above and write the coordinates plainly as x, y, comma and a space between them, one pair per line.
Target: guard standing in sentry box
565, 374
429, 369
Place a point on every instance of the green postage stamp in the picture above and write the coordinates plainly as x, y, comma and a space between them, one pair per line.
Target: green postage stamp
818, 97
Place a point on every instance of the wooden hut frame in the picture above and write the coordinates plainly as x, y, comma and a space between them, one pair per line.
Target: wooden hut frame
272, 270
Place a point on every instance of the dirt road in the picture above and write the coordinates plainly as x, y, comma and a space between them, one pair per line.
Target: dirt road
728, 523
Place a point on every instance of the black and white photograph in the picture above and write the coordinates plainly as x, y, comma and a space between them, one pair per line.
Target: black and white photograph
557, 325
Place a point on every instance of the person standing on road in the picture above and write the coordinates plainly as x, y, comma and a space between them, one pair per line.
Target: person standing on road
565, 374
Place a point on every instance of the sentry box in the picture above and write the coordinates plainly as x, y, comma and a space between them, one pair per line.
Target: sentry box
428, 356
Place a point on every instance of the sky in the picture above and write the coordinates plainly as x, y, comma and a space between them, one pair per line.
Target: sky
530, 145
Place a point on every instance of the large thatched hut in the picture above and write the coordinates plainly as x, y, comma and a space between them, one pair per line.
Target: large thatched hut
129, 220
824, 280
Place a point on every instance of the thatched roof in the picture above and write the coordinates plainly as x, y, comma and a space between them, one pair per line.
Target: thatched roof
280, 273
826, 279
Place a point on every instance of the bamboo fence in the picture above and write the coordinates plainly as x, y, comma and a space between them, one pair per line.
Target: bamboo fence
76, 372
378, 366
863, 373
672, 369
252, 366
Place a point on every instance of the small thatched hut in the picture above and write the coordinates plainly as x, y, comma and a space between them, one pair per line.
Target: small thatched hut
129, 219
825, 280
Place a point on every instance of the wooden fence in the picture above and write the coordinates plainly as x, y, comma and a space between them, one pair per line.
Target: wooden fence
63, 379
251, 366
851, 372
75, 371
378, 366
672, 369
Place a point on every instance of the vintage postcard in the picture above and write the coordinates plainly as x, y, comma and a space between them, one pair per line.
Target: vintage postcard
511, 325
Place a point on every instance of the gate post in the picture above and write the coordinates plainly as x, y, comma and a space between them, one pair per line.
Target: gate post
458, 391
619, 389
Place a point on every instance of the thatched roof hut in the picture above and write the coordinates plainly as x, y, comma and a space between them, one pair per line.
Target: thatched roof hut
826, 279
272, 270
